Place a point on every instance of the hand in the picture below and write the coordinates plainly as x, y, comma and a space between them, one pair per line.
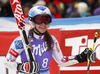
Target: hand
83, 56
28, 67
92, 57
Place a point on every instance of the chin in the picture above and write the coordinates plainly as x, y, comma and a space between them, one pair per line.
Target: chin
42, 32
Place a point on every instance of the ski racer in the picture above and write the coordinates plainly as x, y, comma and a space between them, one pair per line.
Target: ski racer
44, 46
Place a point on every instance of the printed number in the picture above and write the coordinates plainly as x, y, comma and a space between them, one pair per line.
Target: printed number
45, 62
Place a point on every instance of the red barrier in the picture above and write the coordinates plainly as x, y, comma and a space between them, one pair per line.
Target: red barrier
73, 42
6, 39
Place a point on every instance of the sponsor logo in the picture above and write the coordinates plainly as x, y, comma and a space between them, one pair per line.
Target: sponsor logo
41, 8
57, 48
78, 45
38, 50
27, 67
18, 12
15, 1
13, 53
19, 44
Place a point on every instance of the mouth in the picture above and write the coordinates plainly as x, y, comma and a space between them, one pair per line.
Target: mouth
42, 27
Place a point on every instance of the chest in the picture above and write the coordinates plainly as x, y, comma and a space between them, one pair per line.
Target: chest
39, 47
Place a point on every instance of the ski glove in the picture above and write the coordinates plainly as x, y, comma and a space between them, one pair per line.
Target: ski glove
83, 56
29, 67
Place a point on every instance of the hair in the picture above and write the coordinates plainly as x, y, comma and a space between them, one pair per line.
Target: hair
47, 38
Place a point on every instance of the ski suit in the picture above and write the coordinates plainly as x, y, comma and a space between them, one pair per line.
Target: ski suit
41, 54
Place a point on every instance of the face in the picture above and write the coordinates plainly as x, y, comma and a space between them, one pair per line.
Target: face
42, 27
42, 22
52, 9
26, 10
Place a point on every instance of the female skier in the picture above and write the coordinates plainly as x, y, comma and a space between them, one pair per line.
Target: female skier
44, 46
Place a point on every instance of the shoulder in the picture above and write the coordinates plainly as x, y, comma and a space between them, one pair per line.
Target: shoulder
18, 43
53, 38
19, 38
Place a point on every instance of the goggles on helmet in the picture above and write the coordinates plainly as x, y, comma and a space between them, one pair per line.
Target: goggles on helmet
39, 19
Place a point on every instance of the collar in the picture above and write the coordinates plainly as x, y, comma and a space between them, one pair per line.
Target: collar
38, 36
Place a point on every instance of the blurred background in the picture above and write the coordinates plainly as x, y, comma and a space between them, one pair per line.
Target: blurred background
58, 8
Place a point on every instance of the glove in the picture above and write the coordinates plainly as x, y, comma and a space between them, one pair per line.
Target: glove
92, 57
83, 56
28, 67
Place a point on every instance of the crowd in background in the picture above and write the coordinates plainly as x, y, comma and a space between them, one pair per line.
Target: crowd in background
58, 8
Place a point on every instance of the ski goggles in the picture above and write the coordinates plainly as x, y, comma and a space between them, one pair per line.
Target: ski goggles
39, 19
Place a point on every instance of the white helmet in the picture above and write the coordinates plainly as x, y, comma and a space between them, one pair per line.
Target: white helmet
38, 10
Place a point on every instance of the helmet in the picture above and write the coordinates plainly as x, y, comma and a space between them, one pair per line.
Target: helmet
38, 10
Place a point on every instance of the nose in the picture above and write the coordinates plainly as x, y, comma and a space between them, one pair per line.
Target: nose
43, 23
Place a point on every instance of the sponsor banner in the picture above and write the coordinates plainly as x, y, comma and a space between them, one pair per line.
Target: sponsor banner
73, 42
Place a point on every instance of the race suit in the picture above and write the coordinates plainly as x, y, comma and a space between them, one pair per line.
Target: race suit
41, 54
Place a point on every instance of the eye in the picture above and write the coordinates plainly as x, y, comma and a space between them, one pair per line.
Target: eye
38, 19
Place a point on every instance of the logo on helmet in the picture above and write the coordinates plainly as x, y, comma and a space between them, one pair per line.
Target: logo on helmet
42, 8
